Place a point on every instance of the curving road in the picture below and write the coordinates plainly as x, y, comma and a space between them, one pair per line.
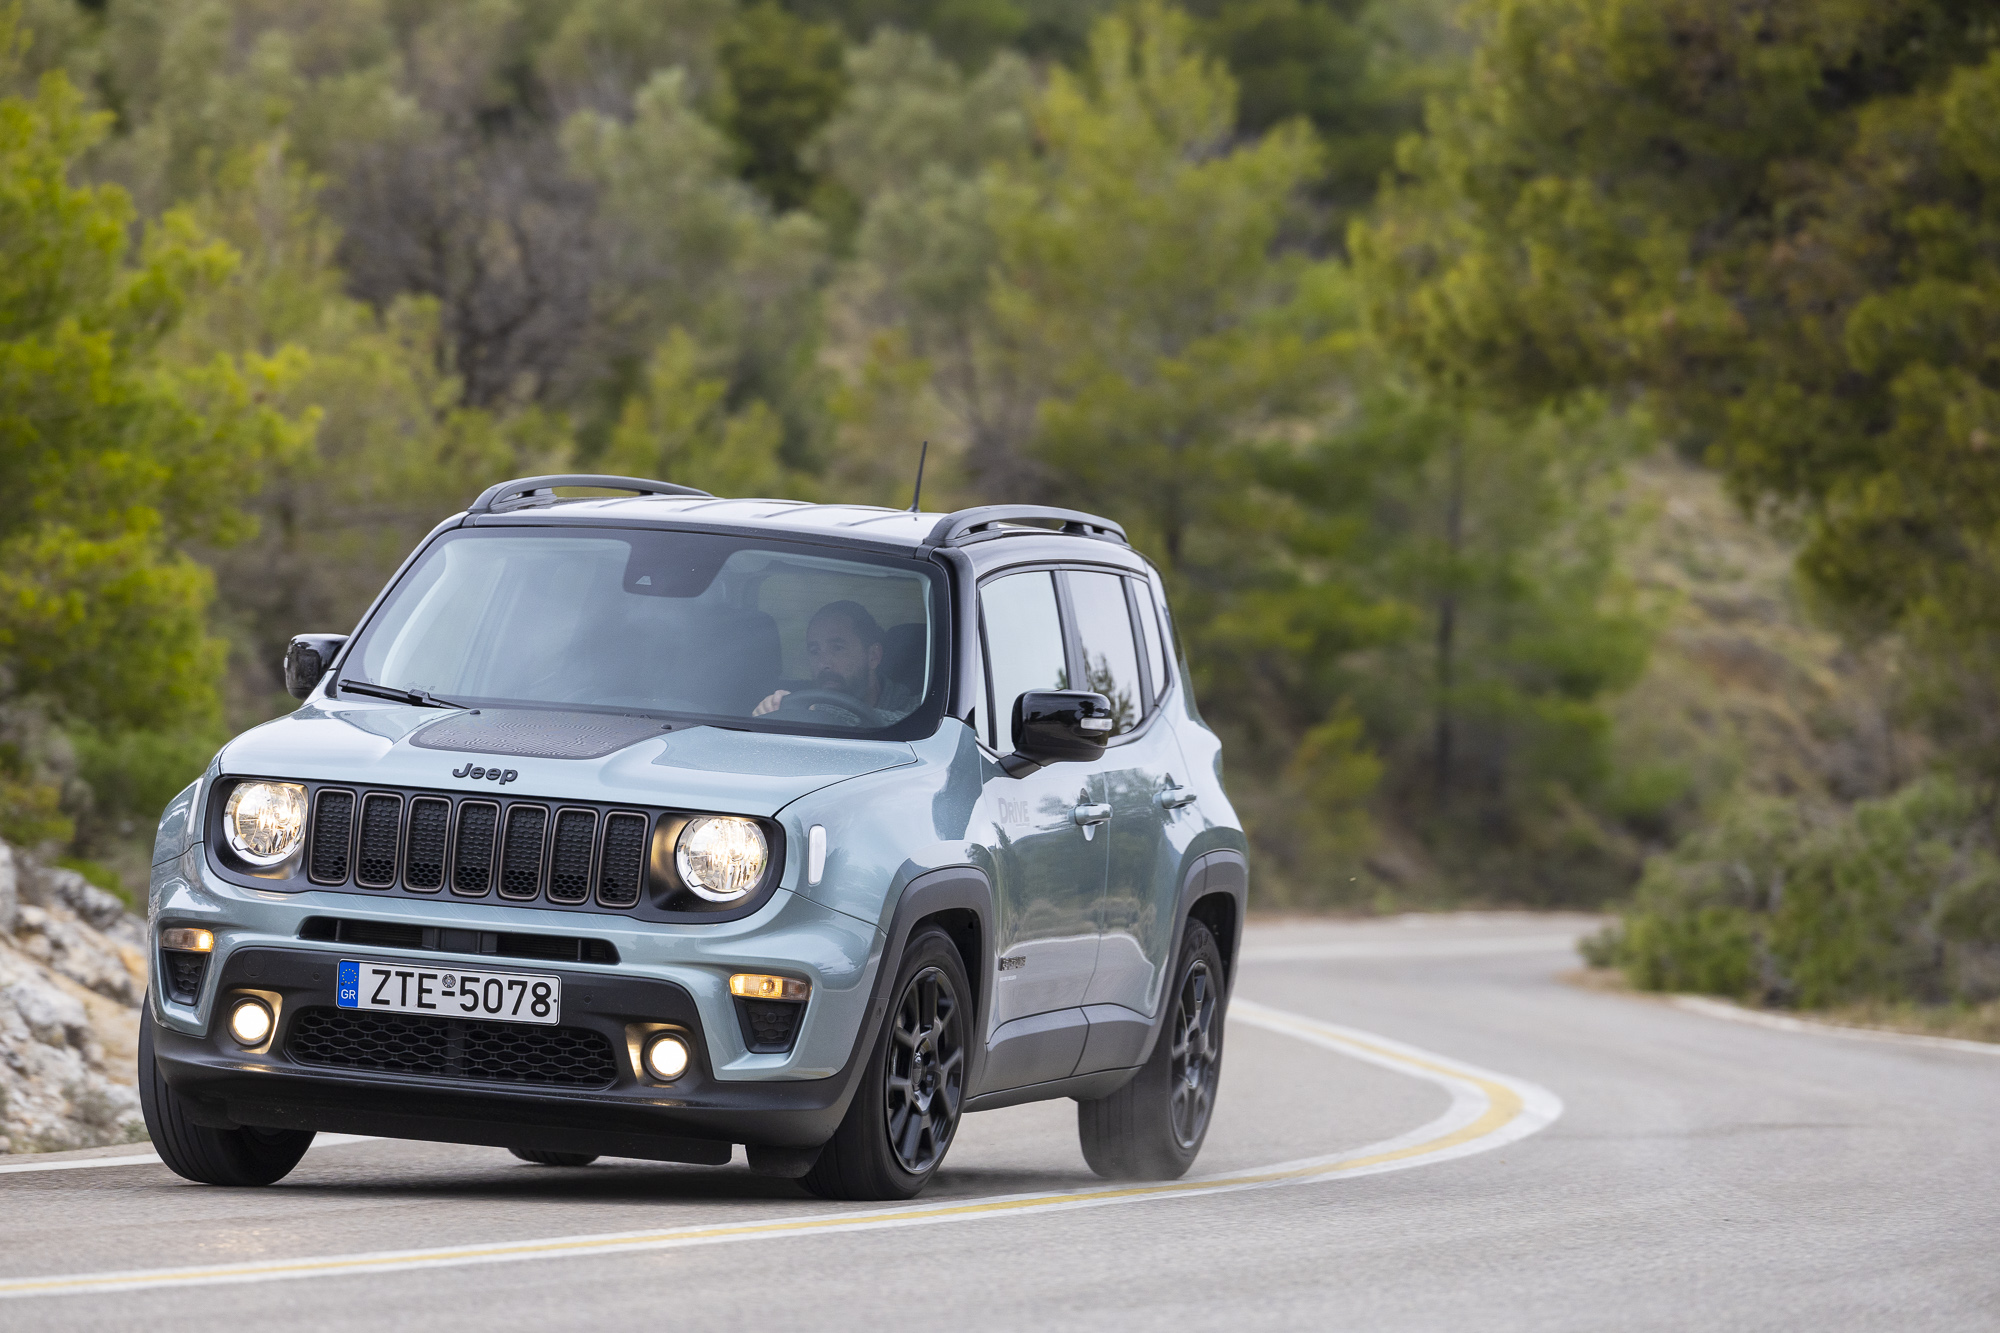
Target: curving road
1420, 1127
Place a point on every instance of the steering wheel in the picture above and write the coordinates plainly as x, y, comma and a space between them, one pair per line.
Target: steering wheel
824, 701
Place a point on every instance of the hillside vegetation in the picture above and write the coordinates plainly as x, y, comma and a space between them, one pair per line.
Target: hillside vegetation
1563, 424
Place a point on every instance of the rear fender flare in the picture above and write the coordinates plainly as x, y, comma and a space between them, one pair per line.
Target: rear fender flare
1224, 873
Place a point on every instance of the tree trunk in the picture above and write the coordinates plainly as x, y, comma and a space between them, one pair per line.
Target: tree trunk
1447, 619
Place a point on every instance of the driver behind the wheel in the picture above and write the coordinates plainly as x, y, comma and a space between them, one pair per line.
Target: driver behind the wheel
844, 654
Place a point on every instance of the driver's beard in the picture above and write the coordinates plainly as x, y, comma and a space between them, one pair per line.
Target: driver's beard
829, 679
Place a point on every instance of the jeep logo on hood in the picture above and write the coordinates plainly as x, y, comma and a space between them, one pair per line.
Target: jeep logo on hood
503, 776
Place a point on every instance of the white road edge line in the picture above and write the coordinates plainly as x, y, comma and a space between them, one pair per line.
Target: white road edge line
1363, 950
1703, 1004
150, 1158
1487, 1111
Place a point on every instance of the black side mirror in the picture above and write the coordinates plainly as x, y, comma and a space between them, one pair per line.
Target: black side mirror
306, 660
1051, 726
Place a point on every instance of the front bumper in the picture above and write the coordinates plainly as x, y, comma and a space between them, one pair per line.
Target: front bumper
695, 1119
674, 974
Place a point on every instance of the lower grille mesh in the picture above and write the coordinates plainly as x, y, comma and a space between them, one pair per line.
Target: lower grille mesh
772, 1023
183, 974
452, 1048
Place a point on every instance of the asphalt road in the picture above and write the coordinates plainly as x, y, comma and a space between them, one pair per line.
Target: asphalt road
1420, 1127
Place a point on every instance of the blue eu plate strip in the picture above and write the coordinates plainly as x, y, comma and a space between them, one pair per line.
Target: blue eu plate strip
347, 991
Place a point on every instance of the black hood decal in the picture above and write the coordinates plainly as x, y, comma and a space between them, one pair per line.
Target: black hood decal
535, 733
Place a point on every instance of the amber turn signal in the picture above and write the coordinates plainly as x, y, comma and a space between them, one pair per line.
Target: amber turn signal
188, 939
756, 986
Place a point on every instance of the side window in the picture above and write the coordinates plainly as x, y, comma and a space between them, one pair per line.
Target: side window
1104, 633
1024, 643
1157, 647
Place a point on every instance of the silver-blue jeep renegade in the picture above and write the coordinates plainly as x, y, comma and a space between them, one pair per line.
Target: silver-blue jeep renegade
649, 824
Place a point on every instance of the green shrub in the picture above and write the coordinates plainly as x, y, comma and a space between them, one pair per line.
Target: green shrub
133, 774
1895, 900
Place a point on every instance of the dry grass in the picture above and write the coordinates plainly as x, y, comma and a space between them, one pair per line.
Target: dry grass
1965, 1022
1968, 1022
1744, 691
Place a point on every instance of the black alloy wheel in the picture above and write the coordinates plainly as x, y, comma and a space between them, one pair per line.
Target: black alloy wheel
1153, 1127
924, 1079
905, 1112
1194, 1066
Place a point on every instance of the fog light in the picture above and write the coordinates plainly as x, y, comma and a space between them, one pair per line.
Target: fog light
756, 986
666, 1057
190, 938
250, 1022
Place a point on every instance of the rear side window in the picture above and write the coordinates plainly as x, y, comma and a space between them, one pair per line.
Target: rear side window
1110, 655
1024, 643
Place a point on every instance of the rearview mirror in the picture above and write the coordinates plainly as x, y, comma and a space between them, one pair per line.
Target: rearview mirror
306, 659
1051, 726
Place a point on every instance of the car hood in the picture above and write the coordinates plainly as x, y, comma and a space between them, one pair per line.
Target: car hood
553, 755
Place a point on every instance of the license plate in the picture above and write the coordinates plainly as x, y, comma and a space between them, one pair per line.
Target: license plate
397, 988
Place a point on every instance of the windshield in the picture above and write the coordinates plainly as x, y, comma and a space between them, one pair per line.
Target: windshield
752, 632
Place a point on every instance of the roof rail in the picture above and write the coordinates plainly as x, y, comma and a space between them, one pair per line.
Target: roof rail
989, 521
525, 491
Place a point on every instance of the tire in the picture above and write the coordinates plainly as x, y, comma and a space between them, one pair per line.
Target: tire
245, 1156
554, 1158
1153, 1127
906, 1111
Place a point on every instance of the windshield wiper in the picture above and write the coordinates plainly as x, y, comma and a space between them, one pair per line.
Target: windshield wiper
422, 698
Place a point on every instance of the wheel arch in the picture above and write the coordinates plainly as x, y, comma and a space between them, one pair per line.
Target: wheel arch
958, 900
1217, 894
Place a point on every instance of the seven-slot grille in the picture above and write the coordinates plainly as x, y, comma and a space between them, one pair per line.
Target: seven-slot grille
521, 851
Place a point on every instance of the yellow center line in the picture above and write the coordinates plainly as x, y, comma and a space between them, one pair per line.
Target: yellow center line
1504, 1104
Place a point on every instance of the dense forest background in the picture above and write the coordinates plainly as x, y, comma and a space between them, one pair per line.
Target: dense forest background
1567, 426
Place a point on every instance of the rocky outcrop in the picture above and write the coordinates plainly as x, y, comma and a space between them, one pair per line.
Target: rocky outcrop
72, 972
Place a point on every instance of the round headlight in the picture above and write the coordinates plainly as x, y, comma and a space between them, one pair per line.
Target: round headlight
265, 821
720, 857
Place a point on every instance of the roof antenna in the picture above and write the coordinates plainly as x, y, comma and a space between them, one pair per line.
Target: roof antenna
916, 499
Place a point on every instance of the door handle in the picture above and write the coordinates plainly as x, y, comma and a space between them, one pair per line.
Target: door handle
1173, 798
1086, 815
